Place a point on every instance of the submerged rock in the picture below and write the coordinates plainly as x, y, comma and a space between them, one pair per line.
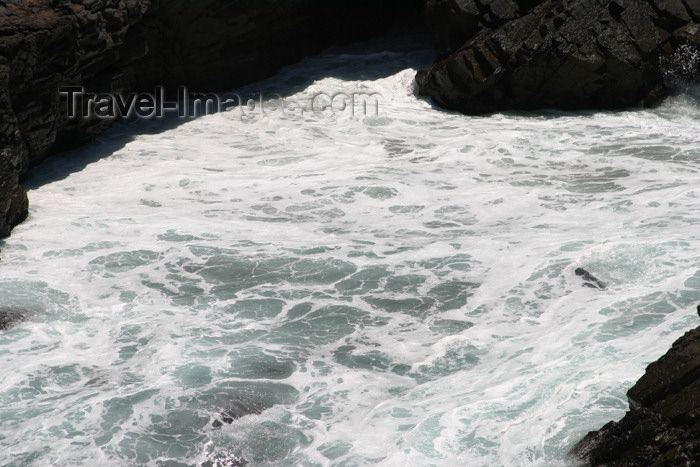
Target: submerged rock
240, 406
9, 317
236, 399
603, 54
662, 426
589, 279
225, 460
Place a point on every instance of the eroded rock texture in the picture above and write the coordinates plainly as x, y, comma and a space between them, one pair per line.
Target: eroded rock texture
454, 22
604, 54
662, 427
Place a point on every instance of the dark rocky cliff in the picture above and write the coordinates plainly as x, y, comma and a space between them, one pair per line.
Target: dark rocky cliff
510, 54
120, 46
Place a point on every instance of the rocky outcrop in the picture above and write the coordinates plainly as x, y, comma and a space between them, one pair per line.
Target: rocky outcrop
120, 46
452, 23
662, 427
604, 54
9, 316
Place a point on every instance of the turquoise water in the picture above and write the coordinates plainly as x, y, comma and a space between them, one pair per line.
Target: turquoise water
341, 289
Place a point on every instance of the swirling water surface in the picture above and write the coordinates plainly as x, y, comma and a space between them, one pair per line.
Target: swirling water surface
388, 286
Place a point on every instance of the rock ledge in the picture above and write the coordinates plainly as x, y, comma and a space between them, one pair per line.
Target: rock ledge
662, 427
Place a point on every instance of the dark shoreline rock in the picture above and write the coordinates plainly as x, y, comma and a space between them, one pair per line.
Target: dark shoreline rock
662, 427
569, 55
122, 46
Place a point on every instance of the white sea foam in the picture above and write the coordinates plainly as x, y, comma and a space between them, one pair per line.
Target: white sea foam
393, 289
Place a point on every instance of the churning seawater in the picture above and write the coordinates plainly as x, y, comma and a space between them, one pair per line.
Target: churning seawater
335, 289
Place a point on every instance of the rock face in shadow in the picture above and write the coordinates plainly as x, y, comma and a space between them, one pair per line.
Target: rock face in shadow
44, 46
121, 46
662, 427
603, 54
218, 45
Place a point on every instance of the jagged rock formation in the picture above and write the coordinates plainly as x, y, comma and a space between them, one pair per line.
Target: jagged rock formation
120, 46
662, 427
605, 54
